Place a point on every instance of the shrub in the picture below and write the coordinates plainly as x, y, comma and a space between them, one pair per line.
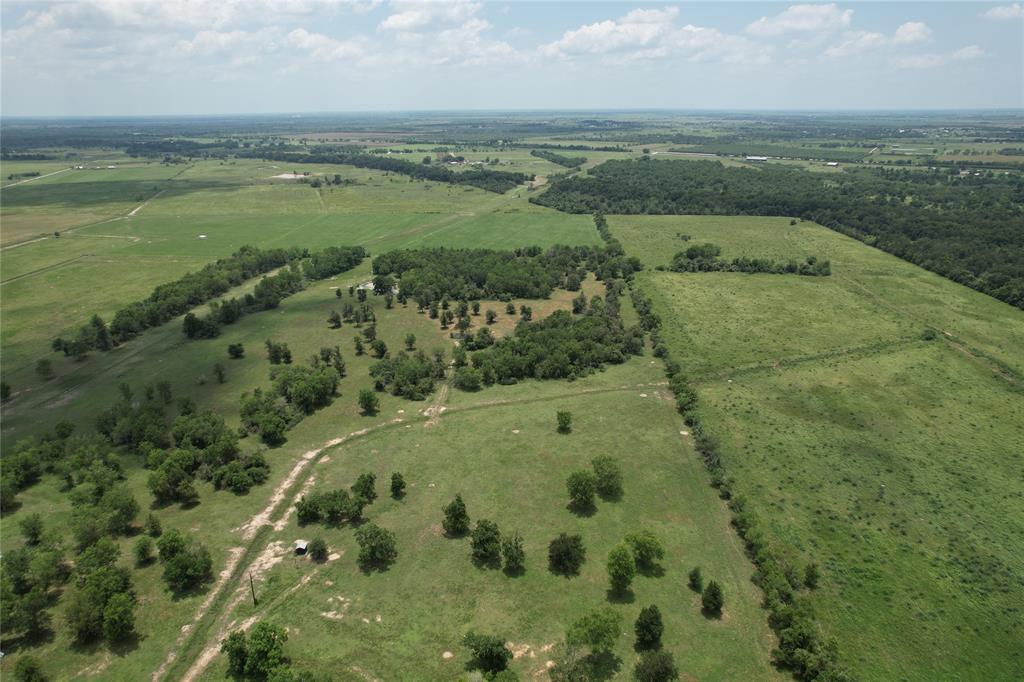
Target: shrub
456, 519
468, 379
376, 546
29, 670
489, 652
621, 567
485, 541
119, 617
656, 666
811, 576
609, 477
648, 628
566, 554
564, 421
318, 550
581, 486
713, 599
31, 528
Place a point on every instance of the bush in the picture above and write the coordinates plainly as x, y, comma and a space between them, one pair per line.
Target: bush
581, 486
31, 528
485, 541
656, 666
609, 477
468, 379
376, 546
364, 487
621, 567
564, 421
119, 617
713, 599
489, 652
29, 670
318, 550
598, 630
649, 628
456, 519
566, 554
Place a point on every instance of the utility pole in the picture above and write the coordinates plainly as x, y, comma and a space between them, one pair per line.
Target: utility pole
252, 588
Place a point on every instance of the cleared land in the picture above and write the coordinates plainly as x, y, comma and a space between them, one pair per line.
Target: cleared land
892, 461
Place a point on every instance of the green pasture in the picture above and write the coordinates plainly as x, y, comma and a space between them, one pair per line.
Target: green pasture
892, 461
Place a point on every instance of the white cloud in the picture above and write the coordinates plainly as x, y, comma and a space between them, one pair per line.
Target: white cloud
1004, 12
856, 42
931, 61
912, 32
322, 47
416, 16
637, 29
802, 19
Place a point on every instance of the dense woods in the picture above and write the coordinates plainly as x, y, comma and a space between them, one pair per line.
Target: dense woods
969, 229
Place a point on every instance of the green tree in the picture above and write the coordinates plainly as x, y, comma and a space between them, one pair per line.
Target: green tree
377, 547
119, 617
456, 518
44, 368
410, 341
152, 526
647, 549
237, 650
380, 349
649, 628
485, 541
581, 486
490, 316
564, 421
365, 487
696, 580
369, 403
598, 630
265, 650
218, 371
31, 529
318, 550
513, 553
566, 554
510, 308
236, 351
397, 485
489, 652
143, 550
656, 666
359, 345
713, 599
609, 477
621, 567
334, 320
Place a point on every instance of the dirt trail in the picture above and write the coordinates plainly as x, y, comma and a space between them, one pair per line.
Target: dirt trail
144, 203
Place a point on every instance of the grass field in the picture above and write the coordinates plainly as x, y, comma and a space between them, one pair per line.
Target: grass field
892, 461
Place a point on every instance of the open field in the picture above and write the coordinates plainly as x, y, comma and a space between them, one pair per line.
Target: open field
892, 461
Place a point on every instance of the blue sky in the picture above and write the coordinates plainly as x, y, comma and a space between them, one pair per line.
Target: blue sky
124, 57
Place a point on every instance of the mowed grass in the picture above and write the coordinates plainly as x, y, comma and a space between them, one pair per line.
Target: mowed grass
510, 464
892, 461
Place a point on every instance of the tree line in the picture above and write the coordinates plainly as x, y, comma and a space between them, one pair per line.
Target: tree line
486, 179
704, 258
969, 229
271, 290
560, 159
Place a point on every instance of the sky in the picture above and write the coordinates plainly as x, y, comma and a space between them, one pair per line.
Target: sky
130, 57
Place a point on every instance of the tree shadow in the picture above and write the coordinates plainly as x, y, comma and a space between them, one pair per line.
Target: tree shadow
711, 615
565, 572
371, 567
614, 496
490, 563
625, 596
651, 570
583, 511
603, 665
28, 641
514, 572
126, 646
